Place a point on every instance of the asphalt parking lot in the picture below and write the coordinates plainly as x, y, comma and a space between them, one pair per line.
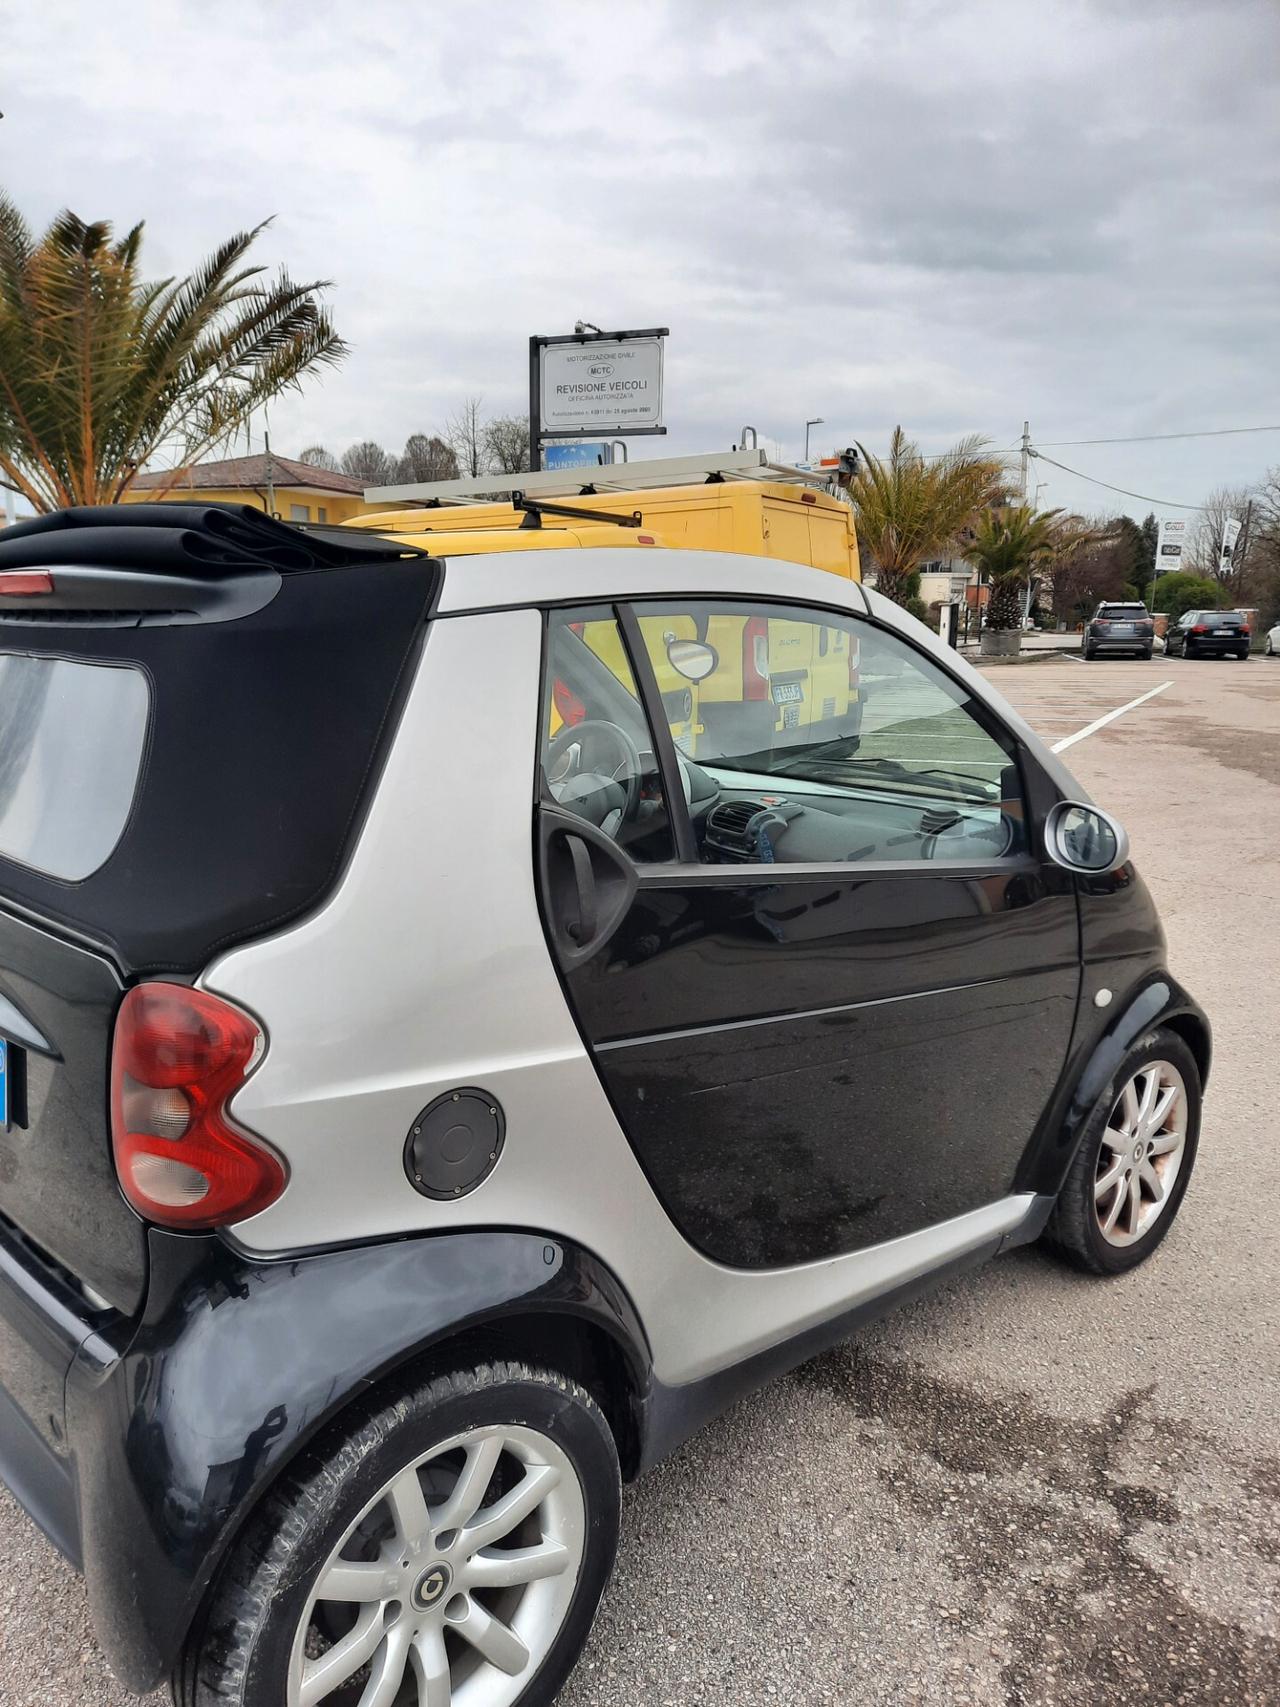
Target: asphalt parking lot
1031, 1487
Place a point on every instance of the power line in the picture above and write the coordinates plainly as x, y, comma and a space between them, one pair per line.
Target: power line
1153, 438
1142, 497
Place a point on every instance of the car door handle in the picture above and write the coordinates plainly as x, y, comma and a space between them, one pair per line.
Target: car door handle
588, 884
582, 929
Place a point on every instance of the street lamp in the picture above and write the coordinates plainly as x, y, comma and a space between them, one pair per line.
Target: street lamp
817, 421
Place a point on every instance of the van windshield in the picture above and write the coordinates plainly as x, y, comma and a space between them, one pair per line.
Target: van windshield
71, 741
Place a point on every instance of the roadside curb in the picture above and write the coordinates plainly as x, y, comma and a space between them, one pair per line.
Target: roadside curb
975, 657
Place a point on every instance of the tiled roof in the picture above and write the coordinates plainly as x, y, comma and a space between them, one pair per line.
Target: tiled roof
251, 471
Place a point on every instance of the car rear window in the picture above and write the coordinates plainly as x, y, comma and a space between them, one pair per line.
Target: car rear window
1127, 613
71, 742
1220, 618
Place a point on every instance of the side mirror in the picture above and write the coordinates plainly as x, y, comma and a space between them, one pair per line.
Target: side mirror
692, 659
1082, 838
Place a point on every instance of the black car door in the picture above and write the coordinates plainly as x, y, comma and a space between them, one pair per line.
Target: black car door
826, 975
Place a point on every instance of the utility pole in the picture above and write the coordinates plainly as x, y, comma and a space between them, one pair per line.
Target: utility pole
817, 421
1026, 476
271, 491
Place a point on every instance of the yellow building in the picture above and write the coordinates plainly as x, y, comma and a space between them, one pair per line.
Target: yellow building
301, 492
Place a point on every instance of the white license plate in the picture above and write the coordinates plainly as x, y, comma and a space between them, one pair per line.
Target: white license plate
788, 693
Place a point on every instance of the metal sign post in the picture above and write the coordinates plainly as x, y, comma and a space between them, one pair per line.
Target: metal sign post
589, 384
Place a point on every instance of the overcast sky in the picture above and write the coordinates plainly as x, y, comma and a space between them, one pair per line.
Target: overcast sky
950, 215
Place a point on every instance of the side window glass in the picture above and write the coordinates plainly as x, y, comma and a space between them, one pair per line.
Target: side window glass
813, 737
597, 755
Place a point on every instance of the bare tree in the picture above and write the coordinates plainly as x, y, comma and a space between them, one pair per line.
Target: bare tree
316, 456
506, 444
427, 457
465, 432
1099, 567
1225, 504
370, 463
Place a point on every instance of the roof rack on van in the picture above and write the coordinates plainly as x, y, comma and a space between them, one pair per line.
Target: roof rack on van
611, 477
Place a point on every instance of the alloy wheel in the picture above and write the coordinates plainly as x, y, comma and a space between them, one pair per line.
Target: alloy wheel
1141, 1153
452, 1585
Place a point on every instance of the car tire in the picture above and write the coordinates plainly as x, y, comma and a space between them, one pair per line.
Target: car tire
1089, 654
1269, 649
1076, 1228
263, 1622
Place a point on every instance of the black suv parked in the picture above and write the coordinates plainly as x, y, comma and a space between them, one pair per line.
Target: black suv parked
1209, 634
1120, 628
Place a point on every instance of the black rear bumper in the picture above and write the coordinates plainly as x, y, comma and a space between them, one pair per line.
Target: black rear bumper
141, 1447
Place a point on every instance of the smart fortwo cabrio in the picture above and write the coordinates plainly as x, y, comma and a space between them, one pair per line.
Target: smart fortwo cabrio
464, 1023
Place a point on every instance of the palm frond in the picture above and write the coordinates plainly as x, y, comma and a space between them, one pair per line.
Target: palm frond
99, 367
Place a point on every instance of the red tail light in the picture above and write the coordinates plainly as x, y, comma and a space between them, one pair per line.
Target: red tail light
755, 658
1244, 628
24, 581
178, 1058
1200, 628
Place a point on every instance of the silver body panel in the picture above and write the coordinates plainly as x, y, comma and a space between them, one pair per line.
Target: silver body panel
428, 969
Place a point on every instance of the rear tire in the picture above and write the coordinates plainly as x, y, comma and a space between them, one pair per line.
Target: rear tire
1128, 1157
388, 1510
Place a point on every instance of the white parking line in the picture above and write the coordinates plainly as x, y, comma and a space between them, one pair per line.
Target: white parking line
1101, 722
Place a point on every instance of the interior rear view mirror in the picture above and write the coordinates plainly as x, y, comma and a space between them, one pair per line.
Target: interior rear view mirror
692, 659
1083, 838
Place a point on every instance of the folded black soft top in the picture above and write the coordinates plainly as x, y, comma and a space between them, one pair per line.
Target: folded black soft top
205, 541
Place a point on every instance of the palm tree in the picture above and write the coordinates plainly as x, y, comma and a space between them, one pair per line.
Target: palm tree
912, 507
100, 370
1009, 544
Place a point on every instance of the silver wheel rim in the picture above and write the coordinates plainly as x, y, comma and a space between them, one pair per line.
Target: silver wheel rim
1141, 1154
453, 1583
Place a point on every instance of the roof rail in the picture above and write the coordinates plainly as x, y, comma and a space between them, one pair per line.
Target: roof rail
612, 477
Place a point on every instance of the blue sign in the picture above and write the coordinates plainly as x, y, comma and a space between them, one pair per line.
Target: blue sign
573, 456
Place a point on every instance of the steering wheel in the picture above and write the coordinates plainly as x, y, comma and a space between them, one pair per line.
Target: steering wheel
626, 753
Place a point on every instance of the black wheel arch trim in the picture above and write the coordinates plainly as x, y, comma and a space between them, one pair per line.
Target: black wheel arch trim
1155, 1001
237, 1363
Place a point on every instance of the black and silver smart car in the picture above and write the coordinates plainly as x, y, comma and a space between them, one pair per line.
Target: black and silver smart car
1209, 634
463, 1023
1120, 628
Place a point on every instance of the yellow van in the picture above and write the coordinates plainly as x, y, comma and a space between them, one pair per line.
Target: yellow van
807, 677
764, 518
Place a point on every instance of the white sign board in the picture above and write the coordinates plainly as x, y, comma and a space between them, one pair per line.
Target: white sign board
1171, 542
603, 386
1230, 534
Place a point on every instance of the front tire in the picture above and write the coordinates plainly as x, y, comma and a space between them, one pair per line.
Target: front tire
457, 1531
1131, 1171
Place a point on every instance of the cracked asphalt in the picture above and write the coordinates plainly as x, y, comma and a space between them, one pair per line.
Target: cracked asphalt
1031, 1488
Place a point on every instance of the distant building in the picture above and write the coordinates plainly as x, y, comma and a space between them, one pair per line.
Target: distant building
301, 492
950, 578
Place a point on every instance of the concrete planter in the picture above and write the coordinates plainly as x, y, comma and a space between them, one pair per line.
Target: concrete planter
1001, 642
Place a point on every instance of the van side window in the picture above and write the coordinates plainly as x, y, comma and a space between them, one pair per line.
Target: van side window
597, 756
815, 737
